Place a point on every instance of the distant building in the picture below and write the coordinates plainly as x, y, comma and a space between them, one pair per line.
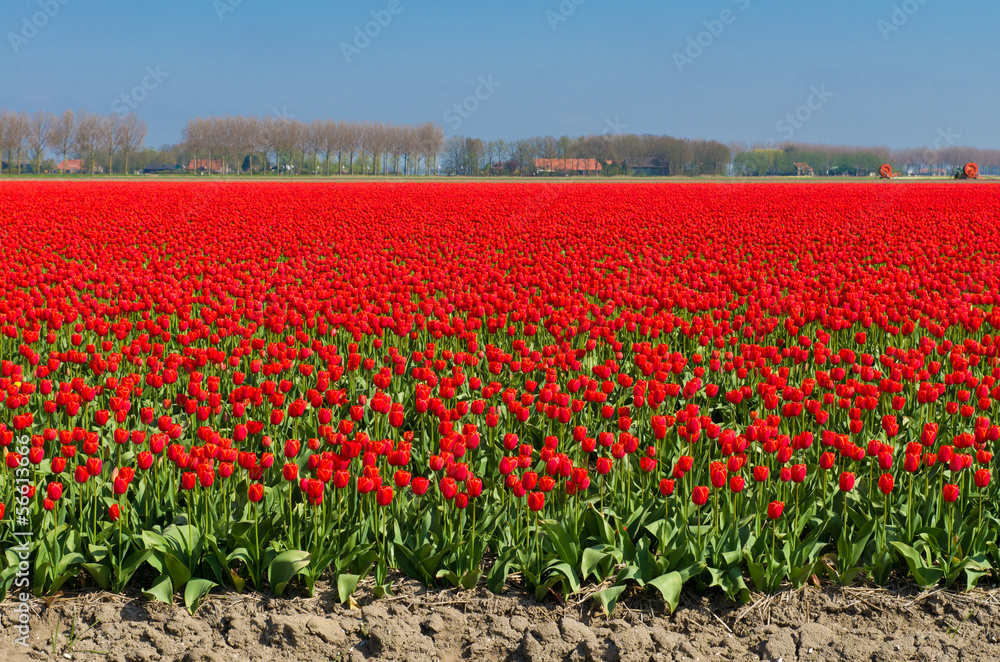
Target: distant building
159, 168
72, 166
205, 165
568, 166
77, 166
804, 169
647, 166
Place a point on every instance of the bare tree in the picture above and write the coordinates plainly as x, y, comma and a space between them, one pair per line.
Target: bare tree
337, 128
194, 138
284, 141
364, 133
18, 130
107, 136
269, 139
62, 132
436, 144
328, 140
300, 142
5, 136
131, 133
226, 134
39, 128
395, 145
244, 135
216, 135
411, 147
351, 136
313, 141
376, 144
85, 138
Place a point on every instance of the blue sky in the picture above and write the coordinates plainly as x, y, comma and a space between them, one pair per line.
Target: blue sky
886, 72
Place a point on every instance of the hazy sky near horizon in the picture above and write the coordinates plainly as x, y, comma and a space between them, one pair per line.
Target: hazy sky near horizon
913, 73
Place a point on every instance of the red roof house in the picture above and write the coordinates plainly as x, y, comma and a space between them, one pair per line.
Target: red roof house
71, 165
204, 164
569, 166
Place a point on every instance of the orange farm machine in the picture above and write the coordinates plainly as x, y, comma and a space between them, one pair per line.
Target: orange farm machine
969, 171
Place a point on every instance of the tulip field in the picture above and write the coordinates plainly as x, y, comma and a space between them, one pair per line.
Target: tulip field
565, 387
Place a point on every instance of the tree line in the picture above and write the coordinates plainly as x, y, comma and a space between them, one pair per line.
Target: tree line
275, 144
228, 144
942, 159
25, 138
678, 156
803, 158
286, 145
833, 160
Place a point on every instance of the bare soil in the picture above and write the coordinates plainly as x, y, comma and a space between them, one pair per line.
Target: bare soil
827, 623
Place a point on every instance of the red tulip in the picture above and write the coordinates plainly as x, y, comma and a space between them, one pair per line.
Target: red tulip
54, 491
982, 478
94, 466
81, 475
448, 487
846, 481
885, 483
536, 501
775, 508
114, 512
950, 492
314, 490
401, 478
929, 434
255, 492
419, 485
383, 496
798, 472
699, 495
